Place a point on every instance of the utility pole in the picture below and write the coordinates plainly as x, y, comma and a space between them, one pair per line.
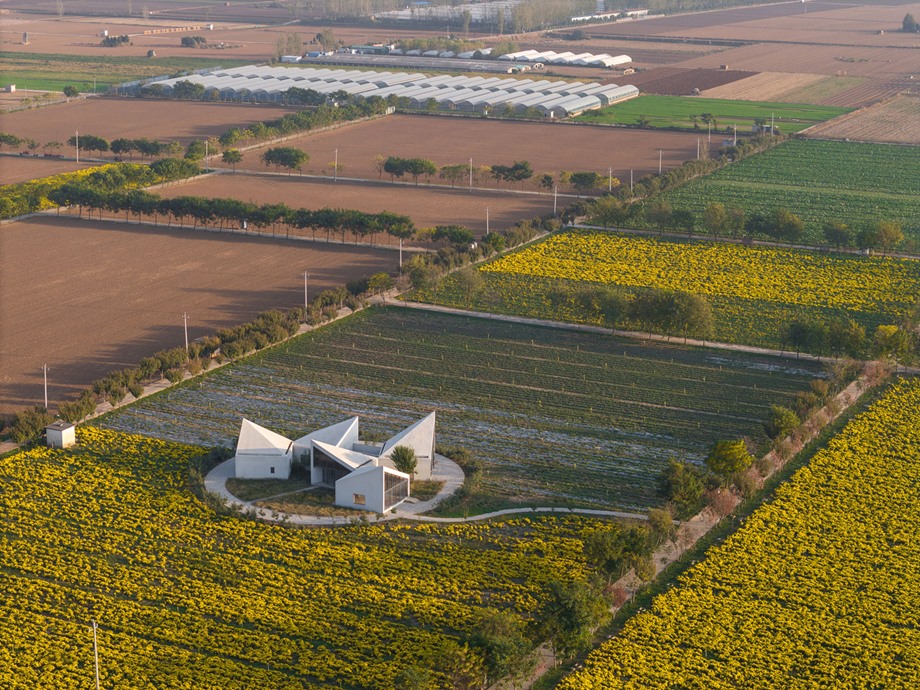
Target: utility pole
709, 130
735, 140
335, 167
206, 153
306, 297
555, 194
471, 174
185, 327
96, 653
45, 371
659, 161
697, 148
630, 180
487, 220
609, 179
77, 140
400, 252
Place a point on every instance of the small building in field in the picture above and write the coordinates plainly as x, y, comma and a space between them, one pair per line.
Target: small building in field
61, 435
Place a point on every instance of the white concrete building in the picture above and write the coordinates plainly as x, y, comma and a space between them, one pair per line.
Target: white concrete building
363, 475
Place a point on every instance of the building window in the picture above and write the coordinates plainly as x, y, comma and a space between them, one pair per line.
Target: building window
272, 470
358, 499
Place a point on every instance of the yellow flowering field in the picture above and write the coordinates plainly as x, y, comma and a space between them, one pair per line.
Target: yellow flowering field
754, 291
186, 598
819, 589
718, 269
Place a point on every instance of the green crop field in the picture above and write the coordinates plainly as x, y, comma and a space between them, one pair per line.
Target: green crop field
557, 417
685, 112
188, 598
855, 183
754, 292
54, 71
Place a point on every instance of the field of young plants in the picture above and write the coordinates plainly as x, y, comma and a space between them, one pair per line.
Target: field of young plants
556, 416
754, 291
186, 598
694, 113
854, 183
817, 589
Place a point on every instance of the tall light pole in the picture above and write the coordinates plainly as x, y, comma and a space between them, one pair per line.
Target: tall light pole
306, 297
96, 653
335, 167
77, 140
487, 220
185, 327
45, 371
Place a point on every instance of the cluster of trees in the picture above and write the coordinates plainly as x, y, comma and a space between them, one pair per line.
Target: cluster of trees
395, 167
845, 337
288, 44
115, 41
668, 312
194, 42
910, 25
685, 484
283, 157
517, 172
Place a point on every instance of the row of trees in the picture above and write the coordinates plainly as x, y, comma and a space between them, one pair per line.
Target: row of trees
845, 337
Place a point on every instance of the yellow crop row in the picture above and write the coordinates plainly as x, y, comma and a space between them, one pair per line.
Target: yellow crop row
818, 589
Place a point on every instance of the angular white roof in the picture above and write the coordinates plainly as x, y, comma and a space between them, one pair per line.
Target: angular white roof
351, 459
419, 437
334, 435
257, 440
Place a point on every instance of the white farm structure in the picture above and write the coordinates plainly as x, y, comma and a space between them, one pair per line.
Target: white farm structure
363, 475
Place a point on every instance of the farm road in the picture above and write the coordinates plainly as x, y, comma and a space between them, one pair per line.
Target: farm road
445, 470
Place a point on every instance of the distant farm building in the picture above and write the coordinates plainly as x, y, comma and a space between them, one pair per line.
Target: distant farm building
550, 98
363, 475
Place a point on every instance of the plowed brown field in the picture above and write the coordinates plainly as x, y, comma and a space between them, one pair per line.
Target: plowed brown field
133, 118
677, 81
452, 140
108, 294
426, 206
895, 121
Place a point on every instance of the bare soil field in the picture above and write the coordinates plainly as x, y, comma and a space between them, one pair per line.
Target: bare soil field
844, 26
109, 294
678, 81
22, 168
426, 206
765, 86
895, 121
887, 70
452, 140
133, 118
228, 40
680, 24
817, 89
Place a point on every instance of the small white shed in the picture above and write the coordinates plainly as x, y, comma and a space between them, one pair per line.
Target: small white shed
61, 435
